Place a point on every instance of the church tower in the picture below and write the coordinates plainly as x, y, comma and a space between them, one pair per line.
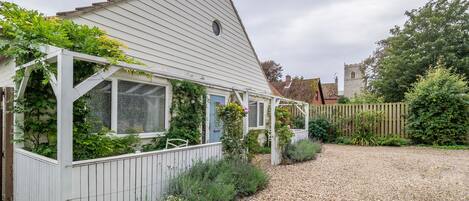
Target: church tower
353, 80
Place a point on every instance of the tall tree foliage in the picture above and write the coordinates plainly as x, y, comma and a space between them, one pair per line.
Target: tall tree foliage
436, 32
273, 71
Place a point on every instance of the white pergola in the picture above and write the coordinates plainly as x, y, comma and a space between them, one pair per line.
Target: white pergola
66, 93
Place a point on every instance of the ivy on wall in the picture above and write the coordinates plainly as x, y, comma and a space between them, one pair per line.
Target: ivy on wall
23, 32
187, 114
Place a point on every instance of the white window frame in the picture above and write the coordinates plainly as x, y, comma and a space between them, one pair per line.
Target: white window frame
258, 115
114, 105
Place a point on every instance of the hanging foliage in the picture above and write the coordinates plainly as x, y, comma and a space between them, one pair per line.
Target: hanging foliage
283, 120
231, 116
187, 114
23, 33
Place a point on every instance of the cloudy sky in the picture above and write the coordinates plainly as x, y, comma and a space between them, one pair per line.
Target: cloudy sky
310, 38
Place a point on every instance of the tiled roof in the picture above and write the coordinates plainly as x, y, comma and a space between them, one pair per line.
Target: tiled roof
274, 90
299, 89
330, 90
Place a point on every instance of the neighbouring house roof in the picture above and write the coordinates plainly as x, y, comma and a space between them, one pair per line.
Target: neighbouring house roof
300, 89
274, 90
330, 90
176, 36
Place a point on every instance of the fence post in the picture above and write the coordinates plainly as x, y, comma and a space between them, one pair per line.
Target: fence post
7, 143
306, 109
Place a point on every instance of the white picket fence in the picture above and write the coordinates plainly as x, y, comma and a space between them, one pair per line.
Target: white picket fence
35, 177
132, 177
300, 134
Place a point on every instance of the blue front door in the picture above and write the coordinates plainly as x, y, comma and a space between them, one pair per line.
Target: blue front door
215, 127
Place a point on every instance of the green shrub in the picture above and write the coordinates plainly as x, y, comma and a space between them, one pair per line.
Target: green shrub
343, 140
393, 141
231, 116
366, 98
252, 142
298, 122
364, 139
321, 129
303, 150
174, 198
343, 100
439, 108
365, 123
89, 146
265, 150
218, 181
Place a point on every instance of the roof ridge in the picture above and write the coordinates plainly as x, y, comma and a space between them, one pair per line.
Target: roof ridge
85, 9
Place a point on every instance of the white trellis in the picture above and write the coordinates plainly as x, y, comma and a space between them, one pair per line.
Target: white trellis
66, 93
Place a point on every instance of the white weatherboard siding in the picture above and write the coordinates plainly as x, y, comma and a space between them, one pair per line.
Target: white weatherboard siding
7, 71
175, 36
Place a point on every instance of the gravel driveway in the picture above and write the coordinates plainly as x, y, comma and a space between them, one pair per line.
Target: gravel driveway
371, 173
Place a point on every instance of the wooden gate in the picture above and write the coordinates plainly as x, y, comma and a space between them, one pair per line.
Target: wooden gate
6, 145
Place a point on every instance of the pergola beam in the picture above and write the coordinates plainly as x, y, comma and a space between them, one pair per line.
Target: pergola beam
23, 83
301, 110
93, 81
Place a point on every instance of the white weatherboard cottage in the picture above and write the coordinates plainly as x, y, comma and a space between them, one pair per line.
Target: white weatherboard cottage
202, 41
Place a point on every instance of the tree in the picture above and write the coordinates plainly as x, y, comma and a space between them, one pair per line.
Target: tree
438, 108
273, 71
366, 98
436, 32
369, 66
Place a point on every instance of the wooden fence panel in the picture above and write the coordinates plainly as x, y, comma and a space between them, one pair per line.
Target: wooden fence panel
393, 121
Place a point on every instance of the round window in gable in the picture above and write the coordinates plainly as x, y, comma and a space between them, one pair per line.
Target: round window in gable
216, 26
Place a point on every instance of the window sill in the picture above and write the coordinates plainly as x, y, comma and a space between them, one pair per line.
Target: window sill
144, 135
257, 128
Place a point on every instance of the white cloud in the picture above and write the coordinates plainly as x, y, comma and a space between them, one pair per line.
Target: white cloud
309, 37
315, 38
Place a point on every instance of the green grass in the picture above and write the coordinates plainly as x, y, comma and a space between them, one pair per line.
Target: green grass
446, 147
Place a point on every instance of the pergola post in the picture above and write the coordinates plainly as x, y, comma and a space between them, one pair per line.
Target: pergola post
65, 124
307, 117
246, 118
276, 154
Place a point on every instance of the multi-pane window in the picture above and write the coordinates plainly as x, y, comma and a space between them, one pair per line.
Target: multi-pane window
140, 108
256, 114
